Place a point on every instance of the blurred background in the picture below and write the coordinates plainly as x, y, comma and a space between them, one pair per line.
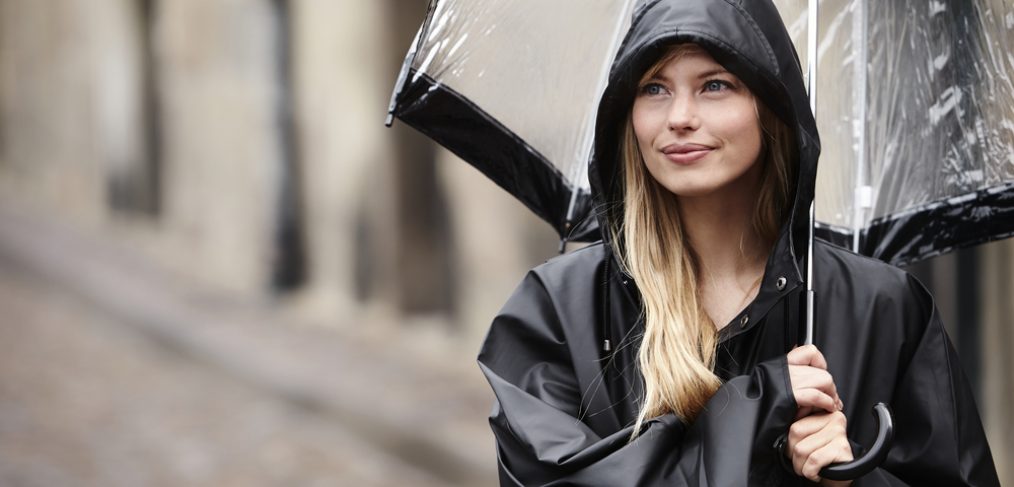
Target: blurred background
218, 267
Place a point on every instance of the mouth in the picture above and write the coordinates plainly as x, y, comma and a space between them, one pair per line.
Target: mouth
686, 153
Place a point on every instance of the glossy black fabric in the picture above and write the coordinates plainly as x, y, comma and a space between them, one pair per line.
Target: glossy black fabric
452, 120
937, 228
565, 406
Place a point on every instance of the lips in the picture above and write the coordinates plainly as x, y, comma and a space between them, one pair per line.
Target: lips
686, 153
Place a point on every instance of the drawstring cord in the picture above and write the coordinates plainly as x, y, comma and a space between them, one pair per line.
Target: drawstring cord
607, 346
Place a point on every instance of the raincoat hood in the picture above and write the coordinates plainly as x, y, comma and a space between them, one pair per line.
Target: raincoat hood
746, 37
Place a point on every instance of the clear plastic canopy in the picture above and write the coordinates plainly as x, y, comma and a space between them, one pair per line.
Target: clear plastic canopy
538, 67
915, 108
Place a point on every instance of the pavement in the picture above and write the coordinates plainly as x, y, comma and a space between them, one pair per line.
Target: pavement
114, 371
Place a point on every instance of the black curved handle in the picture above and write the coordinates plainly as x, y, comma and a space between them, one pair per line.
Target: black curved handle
860, 466
874, 457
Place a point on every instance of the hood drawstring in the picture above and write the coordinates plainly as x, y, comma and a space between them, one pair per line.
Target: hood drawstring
789, 320
607, 346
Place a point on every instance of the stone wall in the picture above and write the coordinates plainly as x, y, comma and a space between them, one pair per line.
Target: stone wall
997, 361
50, 120
239, 140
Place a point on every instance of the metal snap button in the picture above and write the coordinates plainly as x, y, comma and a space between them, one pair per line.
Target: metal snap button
780, 283
743, 321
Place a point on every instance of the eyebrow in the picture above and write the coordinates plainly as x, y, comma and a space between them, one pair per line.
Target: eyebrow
707, 74
713, 72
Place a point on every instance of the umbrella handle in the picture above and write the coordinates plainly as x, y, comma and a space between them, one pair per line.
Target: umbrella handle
861, 466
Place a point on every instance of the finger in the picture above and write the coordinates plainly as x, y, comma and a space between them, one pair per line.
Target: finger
816, 399
804, 427
807, 355
818, 360
807, 432
817, 460
807, 376
801, 355
803, 450
804, 377
818, 441
834, 451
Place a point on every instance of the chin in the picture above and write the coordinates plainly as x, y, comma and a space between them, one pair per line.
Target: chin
690, 189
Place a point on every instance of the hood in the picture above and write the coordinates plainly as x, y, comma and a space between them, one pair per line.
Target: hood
749, 39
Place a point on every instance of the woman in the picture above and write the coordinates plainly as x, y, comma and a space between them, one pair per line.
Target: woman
665, 354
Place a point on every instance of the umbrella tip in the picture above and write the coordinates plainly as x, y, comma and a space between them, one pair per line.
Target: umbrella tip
389, 120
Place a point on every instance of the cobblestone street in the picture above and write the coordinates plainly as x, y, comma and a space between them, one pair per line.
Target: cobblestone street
87, 402
88, 398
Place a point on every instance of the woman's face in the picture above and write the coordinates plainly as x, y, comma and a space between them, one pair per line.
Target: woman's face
697, 128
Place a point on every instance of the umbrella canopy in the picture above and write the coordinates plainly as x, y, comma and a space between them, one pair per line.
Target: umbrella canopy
512, 88
916, 111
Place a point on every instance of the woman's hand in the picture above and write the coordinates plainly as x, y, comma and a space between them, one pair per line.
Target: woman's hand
812, 385
817, 441
817, 438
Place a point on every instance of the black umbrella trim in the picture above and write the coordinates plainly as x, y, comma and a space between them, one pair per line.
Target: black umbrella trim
934, 229
839, 236
453, 121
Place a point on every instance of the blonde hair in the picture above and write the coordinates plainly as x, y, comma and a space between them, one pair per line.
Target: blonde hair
677, 353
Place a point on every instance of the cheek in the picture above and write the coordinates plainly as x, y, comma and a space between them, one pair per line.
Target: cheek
742, 127
644, 121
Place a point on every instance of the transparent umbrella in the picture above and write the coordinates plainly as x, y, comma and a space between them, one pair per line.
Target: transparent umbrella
916, 111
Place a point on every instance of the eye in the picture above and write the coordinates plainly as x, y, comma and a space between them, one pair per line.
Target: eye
717, 85
653, 89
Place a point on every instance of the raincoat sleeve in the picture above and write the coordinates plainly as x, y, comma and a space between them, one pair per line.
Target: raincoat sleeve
939, 439
542, 439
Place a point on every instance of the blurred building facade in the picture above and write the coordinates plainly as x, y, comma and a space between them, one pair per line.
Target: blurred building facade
241, 143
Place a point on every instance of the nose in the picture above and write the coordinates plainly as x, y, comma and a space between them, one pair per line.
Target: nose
683, 114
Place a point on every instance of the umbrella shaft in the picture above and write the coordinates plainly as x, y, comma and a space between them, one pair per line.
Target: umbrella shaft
811, 55
811, 82
809, 318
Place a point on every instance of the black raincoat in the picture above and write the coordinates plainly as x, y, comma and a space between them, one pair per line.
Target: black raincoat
565, 406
